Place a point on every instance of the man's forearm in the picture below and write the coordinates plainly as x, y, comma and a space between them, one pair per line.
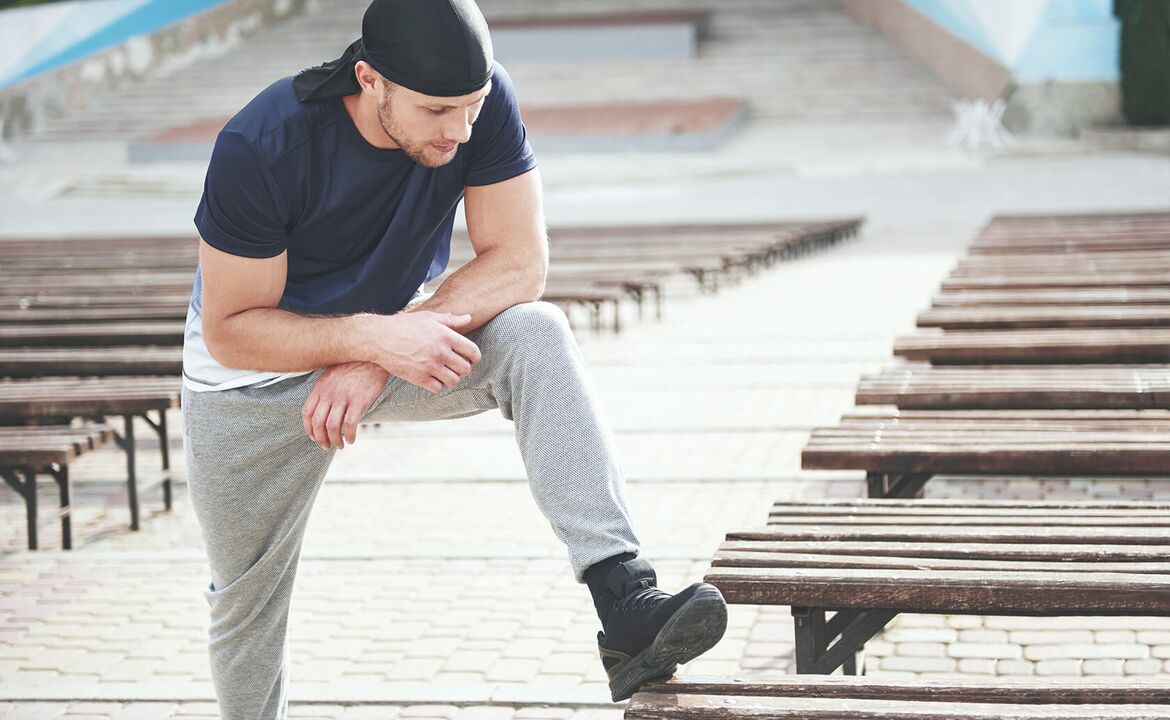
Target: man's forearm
489, 284
275, 340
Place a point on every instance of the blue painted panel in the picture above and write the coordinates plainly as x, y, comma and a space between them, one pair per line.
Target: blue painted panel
956, 17
1071, 53
80, 21
137, 17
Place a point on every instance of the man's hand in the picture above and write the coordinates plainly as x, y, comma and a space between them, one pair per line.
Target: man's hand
340, 397
423, 348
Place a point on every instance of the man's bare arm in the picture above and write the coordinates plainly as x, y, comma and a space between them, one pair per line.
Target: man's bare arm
244, 328
506, 224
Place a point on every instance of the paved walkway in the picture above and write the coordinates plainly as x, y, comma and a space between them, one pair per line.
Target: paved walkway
432, 588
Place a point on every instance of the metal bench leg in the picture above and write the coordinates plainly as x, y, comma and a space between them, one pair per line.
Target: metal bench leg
27, 490
127, 443
61, 475
887, 485
823, 646
164, 444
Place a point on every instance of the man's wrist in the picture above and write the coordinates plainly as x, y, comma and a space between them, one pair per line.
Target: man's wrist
357, 330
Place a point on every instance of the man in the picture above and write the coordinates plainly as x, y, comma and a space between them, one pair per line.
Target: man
329, 201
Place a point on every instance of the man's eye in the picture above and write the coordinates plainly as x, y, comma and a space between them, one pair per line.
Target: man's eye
433, 111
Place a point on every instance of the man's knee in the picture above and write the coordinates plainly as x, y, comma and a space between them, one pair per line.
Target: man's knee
532, 325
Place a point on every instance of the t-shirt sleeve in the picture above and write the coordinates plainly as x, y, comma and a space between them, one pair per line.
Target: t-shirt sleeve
499, 143
242, 211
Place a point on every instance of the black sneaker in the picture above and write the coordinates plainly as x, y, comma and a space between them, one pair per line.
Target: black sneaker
649, 633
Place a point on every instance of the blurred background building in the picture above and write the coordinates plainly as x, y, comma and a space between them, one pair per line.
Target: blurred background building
140, 66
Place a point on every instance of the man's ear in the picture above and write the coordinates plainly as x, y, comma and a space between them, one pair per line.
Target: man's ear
367, 77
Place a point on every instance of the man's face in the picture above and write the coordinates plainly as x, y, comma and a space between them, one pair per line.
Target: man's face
429, 129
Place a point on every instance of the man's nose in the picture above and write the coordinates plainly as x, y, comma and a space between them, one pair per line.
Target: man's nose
458, 131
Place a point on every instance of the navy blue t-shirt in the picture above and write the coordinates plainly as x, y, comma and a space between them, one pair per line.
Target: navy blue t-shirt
364, 227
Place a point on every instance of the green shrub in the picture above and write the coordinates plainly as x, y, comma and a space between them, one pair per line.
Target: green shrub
1145, 60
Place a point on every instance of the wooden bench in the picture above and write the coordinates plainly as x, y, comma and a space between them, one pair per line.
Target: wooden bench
1039, 346
1076, 296
1023, 317
1156, 278
100, 361
37, 315
784, 697
920, 386
848, 567
105, 334
58, 400
900, 450
28, 452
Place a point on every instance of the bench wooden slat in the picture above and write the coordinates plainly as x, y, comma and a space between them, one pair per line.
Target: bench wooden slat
92, 361
1123, 345
44, 445
1015, 317
727, 557
1038, 552
1017, 690
1081, 296
669, 706
947, 591
93, 334
776, 531
926, 386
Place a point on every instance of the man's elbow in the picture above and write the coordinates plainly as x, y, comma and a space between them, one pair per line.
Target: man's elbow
220, 345
535, 282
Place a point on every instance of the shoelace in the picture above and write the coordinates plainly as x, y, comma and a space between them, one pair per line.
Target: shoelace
646, 597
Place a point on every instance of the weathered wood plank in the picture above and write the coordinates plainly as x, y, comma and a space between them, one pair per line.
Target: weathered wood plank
1016, 690
667, 706
947, 591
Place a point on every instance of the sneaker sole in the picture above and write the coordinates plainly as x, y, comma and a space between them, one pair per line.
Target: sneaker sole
693, 630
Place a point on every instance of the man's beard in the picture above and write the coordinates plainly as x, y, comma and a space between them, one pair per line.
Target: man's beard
412, 150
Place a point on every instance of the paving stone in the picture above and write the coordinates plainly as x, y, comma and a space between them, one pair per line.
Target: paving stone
983, 635
370, 712
529, 648
1149, 666
921, 649
33, 711
992, 651
1066, 667
543, 713
1014, 667
485, 712
513, 670
977, 666
1115, 637
562, 663
964, 622
1154, 637
921, 634
919, 664
145, 711
1103, 666
199, 708
429, 712
1050, 637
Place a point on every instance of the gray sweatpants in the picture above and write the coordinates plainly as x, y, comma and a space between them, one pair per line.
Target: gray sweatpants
253, 475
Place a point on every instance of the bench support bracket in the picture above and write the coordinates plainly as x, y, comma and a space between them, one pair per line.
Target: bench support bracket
126, 441
889, 485
28, 490
823, 645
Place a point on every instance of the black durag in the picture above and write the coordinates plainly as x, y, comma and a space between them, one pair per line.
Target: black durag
435, 47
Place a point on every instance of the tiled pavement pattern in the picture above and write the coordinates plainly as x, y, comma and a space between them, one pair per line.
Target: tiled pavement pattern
432, 588
428, 574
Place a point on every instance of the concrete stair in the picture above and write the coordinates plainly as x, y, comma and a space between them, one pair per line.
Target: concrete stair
796, 61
